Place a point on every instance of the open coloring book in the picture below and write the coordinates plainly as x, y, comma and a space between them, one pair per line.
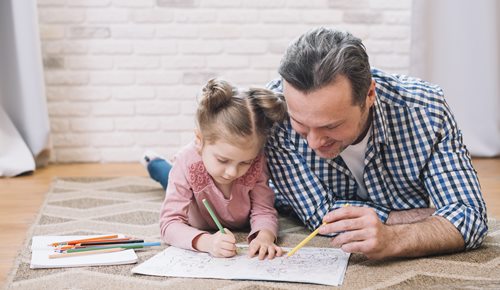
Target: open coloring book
309, 265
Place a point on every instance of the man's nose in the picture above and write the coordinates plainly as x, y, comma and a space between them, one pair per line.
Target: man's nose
315, 139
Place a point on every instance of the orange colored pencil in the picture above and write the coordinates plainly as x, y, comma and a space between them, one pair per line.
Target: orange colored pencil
73, 242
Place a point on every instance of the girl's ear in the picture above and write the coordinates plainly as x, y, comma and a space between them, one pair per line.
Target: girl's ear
198, 140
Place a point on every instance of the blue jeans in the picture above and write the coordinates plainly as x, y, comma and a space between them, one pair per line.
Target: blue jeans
158, 170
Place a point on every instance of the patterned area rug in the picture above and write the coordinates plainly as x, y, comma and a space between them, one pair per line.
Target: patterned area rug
130, 205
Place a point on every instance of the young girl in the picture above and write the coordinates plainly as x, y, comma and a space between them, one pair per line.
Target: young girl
225, 165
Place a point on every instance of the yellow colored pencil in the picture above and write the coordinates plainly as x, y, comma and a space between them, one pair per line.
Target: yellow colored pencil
65, 255
307, 239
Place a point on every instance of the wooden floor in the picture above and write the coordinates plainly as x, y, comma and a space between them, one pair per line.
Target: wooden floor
21, 198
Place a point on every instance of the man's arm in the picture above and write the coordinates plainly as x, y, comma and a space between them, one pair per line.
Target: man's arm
362, 232
409, 216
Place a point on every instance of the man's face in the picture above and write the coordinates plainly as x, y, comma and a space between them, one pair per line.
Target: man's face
327, 118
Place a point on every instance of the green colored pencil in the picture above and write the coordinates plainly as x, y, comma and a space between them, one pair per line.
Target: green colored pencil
214, 217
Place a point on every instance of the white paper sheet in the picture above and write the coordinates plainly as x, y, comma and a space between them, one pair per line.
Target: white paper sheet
309, 265
40, 251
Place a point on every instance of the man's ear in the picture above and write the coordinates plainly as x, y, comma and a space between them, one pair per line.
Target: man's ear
198, 140
370, 98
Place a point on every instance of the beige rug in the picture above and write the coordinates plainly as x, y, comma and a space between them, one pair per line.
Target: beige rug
130, 205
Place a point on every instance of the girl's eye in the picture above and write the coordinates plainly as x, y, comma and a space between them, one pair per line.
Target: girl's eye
222, 160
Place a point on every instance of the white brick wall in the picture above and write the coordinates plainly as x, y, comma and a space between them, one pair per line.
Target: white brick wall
122, 76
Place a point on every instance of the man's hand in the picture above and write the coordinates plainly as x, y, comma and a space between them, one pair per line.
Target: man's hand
360, 231
218, 245
264, 245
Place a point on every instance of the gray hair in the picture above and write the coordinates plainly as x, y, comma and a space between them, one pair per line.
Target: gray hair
316, 58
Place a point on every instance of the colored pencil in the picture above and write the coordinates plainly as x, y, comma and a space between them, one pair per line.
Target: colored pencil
110, 242
214, 217
83, 240
122, 246
101, 251
307, 239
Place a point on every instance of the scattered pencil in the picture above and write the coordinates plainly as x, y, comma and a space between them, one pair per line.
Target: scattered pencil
101, 251
73, 242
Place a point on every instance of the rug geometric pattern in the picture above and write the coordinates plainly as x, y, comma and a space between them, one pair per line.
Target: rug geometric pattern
130, 205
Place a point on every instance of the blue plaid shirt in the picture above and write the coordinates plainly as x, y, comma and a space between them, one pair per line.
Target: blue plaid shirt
415, 155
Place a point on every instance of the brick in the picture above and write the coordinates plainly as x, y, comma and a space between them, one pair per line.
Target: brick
68, 110
51, 32
221, 3
88, 3
264, 4
178, 3
390, 4
198, 78
265, 61
397, 17
189, 107
110, 46
200, 47
69, 140
278, 46
158, 78
155, 46
157, 108
246, 47
75, 47
265, 31
220, 31
392, 61
349, 4
227, 61
323, 17
77, 154
137, 124
51, 48
238, 16
89, 62
158, 138
249, 78
88, 93
66, 78
112, 78
132, 32
43, 3
389, 32
137, 62
177, 31
114, 139
307, 5
61, 15
133, 3
281, 16
152, 16
195, 16
58, 125
120, 154
180, 61
89, 32
180, 92
92, 125
133, 93
113, 109
177, 123
53, 62
107, 15
362, 17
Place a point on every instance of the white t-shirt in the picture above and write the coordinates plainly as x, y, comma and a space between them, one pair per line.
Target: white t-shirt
354, 157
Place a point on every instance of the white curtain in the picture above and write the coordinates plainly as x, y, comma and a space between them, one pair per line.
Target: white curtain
456, 44
24, 124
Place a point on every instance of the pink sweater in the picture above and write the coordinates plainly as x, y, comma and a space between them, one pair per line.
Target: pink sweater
183, 216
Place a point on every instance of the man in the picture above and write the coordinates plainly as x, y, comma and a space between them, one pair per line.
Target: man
386, 145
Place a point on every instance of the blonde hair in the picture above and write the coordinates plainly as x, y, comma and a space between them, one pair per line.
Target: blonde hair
225, 112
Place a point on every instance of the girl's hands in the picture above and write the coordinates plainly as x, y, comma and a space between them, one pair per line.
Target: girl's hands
218, 245
264, 245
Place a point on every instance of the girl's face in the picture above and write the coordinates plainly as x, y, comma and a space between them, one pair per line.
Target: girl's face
226, 162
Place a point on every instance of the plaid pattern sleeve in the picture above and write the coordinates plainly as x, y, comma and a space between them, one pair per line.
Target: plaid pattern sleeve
414, 156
